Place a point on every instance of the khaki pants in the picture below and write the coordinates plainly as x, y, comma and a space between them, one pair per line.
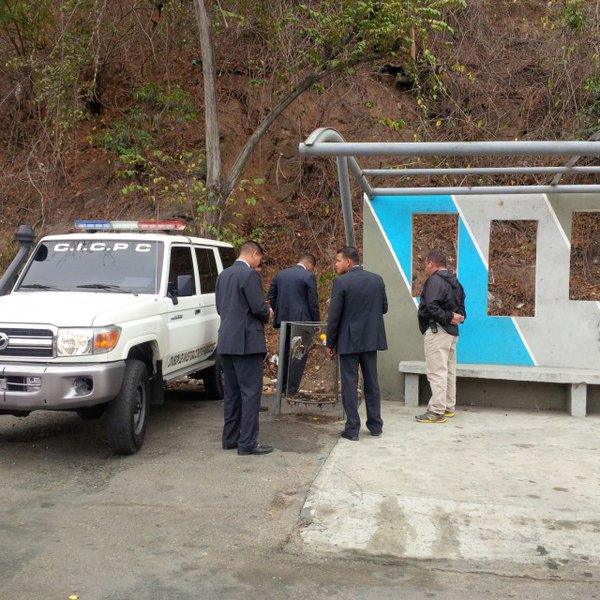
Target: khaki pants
440, 360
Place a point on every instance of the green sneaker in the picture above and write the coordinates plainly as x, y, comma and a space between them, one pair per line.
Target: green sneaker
449, 414
430, 417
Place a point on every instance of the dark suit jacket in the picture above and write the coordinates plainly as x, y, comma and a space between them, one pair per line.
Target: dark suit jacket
241, 305
293, 296
358, 303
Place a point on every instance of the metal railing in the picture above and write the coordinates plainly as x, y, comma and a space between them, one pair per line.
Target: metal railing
326, 141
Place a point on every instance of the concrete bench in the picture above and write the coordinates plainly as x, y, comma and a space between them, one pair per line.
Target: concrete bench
577, 379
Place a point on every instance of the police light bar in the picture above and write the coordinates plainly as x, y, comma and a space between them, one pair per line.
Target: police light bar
95, 225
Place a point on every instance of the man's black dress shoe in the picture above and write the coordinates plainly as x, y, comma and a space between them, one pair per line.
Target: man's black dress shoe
263, 409
229, 446
352, 438
376, 433
256, 450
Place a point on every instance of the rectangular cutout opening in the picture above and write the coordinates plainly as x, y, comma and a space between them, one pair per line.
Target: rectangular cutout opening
511, 274
584, 276
432, 231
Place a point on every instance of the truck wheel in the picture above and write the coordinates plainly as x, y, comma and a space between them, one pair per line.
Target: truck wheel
91, 412
128, 412
214, 381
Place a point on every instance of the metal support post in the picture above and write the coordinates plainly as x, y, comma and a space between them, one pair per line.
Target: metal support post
283, 334
346, 197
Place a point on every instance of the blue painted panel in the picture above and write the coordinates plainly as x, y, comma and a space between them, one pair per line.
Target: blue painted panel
395, 214
483, 339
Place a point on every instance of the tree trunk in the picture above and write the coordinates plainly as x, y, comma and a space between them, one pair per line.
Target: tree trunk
242, 158
219, 187
214, 199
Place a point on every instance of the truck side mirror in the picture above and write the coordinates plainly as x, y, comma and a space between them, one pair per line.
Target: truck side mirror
41, 254
172, 292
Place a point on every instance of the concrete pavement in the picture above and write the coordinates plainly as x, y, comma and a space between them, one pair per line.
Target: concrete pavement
185, 519
514, 493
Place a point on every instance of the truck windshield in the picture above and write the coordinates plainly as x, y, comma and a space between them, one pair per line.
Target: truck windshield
109, 266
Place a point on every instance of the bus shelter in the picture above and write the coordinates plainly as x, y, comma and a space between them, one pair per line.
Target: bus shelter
503, 358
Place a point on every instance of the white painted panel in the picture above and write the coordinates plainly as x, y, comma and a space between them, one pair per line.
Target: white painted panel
563, 333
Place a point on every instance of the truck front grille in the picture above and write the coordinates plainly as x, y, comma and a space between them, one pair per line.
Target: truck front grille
16, 384
22, 342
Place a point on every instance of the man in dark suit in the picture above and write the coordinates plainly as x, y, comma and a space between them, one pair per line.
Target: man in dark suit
241, 345
355, 331
293, 292
293, 297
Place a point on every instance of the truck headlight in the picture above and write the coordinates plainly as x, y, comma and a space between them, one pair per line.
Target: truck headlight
82, 341
74, 342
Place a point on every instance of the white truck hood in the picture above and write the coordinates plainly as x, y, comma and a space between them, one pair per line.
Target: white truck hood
75, 309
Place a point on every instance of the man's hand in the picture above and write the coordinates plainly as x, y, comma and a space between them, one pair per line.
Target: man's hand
271, 313
330, 352
457, 319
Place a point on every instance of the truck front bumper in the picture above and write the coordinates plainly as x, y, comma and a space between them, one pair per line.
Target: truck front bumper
26, 386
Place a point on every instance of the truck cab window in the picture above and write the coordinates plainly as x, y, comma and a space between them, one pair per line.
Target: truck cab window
94, 265
207, 266
227, 256
180, 264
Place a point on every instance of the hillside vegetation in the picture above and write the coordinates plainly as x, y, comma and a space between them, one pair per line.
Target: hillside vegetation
102, 102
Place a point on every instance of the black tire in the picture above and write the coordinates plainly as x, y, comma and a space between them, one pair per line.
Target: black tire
214, 381
128, 412
88, 413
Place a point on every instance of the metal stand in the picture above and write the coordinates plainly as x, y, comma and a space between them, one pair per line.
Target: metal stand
299, 341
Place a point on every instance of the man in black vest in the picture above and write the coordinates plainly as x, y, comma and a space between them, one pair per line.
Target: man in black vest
241, 345
355, 331
441, 311
293, 297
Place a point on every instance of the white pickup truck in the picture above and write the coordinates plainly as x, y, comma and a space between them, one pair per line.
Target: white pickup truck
101, 320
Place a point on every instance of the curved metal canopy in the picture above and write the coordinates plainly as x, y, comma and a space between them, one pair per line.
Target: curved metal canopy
327, 141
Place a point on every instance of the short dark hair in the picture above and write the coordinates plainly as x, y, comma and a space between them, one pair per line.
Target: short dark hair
309, 258
251, 246
350, 253
437, 257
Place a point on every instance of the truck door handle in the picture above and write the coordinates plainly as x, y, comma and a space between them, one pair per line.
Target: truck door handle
197, 311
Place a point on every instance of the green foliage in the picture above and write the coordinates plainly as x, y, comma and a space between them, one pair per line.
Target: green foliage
393, 124
358, 29
247, 187
573, 16
246, 192
295, 42
57, 48
62, 46
325, 282
341, 34
25, 22
171, 101
52, 50
160, 177
156, 106
121, 138
589, 115
142, 162
54, 54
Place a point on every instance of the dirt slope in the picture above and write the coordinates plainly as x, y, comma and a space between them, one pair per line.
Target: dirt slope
511, 70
